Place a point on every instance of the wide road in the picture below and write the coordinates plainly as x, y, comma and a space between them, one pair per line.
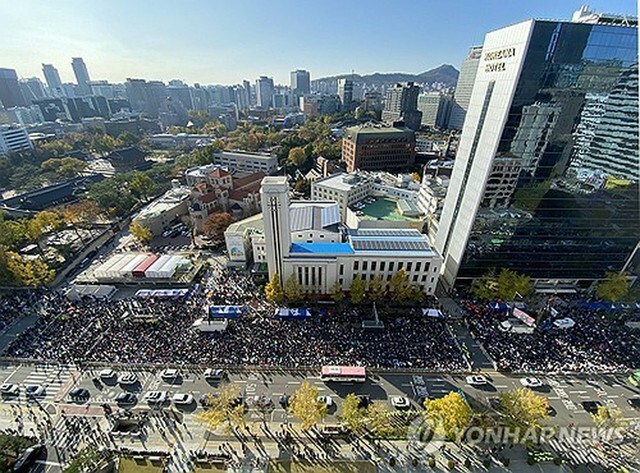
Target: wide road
566, 394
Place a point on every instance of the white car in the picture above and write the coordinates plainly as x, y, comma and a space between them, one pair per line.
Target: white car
530, 382
10, 389
127, 379
399, 402
155, 397
169, 374
107, 373
182, 399
328, 400
214, 374
477, 380
34, 391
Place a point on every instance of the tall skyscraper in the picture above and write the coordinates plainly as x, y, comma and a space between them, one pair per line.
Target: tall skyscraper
52, 78
464, 87
10, 92
401, 103
435, 108
33, 89
82, 76
264, 92
546, 179
345, 92
300, 82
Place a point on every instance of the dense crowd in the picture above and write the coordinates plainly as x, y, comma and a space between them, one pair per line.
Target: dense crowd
16, 305
160, 331
598, 342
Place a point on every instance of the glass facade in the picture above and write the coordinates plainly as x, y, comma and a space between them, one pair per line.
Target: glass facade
561, 199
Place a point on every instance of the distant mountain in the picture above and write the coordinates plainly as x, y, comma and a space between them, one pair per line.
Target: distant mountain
445, 74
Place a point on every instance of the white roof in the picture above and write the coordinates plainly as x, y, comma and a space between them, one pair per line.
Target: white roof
342, 181
307, 215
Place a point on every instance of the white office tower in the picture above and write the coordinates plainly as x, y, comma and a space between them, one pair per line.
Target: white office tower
464, 87
277, 230
546, 177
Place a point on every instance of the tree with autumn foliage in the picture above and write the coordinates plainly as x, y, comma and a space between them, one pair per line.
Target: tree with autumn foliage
216, 224
305, 406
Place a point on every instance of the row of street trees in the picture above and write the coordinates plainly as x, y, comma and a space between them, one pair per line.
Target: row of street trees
522, 411
398, 289
506, 284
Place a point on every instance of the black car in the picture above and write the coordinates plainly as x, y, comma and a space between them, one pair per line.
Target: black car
28, 458
551, 412
634, 402
363, 401
591, 406
79, 394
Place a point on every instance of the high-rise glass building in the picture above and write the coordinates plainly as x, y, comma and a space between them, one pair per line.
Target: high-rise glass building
82, 76
52, 78
546, 178
10, 92
300, 82
464, 87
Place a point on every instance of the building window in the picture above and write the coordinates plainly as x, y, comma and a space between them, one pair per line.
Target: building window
341, 269
409, 265
382, 263
391, 265
364, 265
356, 265
415, 278
373, 265
418, 266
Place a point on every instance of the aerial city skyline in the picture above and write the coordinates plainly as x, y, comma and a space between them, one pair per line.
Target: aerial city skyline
249, 255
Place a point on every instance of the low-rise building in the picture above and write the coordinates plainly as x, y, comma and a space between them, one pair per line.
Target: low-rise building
374, 147
14, 139
180, 140
166, 209
214, 189
247, 162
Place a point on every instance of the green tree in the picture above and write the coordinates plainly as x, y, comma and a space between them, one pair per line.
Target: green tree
64, 167
609, 418
614, 287
337, 294
224, 409
448, 416
379, 420
292, 289
523, 409
273, 289
377, 288
400, 287
141, 185
511, 283
297, 156
305, 406
140, 232
216, 224
486, 287
357, 290
353, 416
29, 272
127, 139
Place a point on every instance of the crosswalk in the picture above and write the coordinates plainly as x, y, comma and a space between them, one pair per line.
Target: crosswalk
52, 378
577, 450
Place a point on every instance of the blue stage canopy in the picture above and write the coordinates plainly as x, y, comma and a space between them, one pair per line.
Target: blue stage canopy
296, 314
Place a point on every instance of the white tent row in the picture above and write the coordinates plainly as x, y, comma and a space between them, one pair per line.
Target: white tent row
165, 268
110, 269
128, 268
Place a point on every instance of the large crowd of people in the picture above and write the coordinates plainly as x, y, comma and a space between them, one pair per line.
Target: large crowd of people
598, 342
160, 331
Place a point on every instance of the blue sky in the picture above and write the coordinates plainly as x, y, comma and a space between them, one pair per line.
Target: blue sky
227, 41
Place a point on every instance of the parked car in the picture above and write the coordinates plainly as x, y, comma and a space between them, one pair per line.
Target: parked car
213, 374
634, 402
8, 389
33, 391
531, 382
169, 374
107, 373
182, 399
126, 399
28, 458
155, 397
79, 394
328, 400
591, 406
399, 402
477, 380
127, 379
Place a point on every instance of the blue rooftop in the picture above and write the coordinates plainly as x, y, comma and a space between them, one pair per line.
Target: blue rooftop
321, 248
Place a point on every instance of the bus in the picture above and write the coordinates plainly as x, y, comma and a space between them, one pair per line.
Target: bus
634, 378
344, 374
